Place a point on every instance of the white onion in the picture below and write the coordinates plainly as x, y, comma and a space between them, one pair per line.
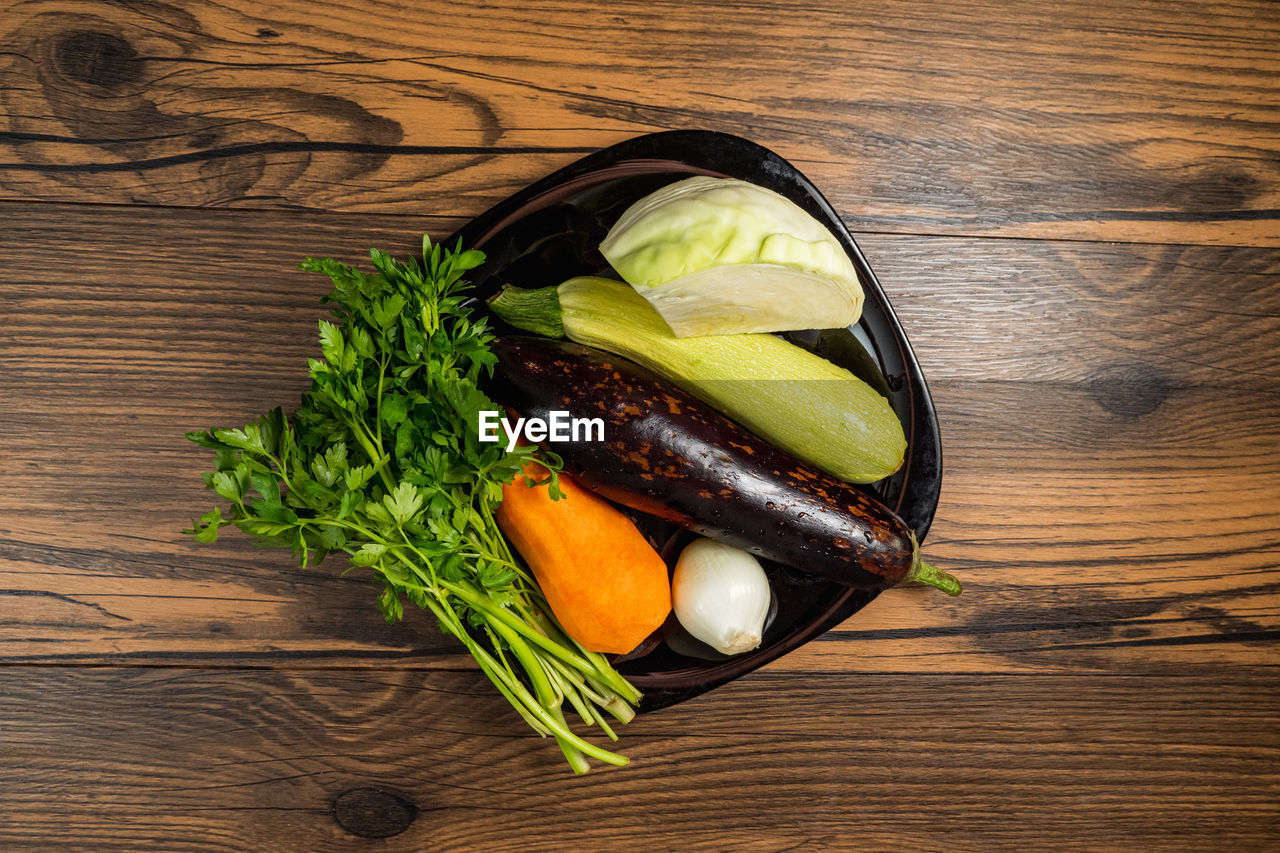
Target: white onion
721, 596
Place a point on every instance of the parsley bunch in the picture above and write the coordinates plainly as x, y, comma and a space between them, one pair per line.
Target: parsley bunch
382, 461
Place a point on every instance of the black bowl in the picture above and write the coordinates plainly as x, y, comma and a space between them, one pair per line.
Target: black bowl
550, 231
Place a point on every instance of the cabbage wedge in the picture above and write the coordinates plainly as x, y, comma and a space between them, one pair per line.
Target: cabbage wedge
717, 256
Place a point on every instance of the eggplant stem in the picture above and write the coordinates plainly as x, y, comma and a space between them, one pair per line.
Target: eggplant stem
922, 572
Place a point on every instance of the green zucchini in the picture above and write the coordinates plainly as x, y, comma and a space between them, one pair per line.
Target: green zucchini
795, 400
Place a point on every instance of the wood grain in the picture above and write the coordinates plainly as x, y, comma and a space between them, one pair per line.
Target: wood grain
198, 760
1110, 415
1126, 394
1133, 121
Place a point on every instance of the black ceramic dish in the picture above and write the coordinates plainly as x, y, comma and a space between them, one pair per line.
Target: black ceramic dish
550, 231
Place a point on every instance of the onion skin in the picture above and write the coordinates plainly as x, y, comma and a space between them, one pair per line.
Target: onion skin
671, 455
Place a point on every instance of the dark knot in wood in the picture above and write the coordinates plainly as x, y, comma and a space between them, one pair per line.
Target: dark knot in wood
373, 813
1129, 390
97, 59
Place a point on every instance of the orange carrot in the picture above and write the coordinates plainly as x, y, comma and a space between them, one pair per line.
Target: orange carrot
606, 585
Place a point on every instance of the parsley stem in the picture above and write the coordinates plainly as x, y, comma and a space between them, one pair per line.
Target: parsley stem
501, 614
548, 701
556, 672
519, 702
377, 411
515, 631
506, 678
359, 430
532, 666
577, 761
600, 668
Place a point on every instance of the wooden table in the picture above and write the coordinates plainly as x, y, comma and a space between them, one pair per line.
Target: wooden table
1074, 209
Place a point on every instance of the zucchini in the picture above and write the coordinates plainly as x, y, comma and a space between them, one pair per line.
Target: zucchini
799, 402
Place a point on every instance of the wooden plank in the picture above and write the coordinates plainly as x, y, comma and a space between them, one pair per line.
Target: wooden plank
1137, 121
189, 760
1111, 497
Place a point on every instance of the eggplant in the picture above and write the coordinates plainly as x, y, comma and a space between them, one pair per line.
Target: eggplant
668, 454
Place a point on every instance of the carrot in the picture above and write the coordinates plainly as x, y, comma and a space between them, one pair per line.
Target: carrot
606, 585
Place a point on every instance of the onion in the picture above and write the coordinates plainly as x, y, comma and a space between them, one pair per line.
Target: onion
721, 596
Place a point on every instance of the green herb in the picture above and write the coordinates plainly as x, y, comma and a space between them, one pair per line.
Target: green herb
382, 461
